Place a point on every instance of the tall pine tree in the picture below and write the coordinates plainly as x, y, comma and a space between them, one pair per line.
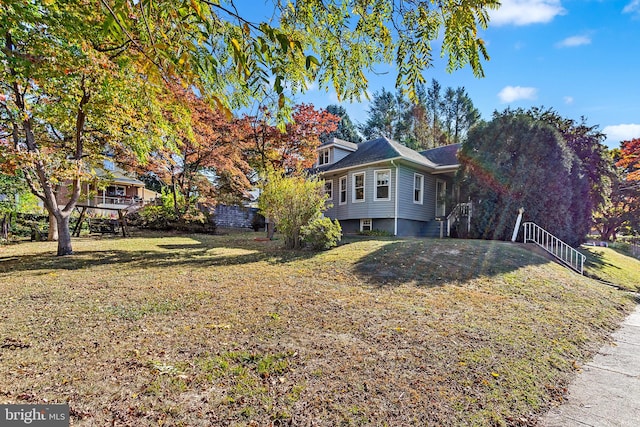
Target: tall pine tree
346, 131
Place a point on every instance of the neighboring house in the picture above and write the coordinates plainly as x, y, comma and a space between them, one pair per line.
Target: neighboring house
120, 190
383, 185
112, 189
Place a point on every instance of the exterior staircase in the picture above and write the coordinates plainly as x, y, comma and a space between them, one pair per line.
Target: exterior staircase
567, 255
459, 216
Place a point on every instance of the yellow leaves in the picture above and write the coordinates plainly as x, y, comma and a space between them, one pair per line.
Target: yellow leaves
196, 6
495, 374
235, 44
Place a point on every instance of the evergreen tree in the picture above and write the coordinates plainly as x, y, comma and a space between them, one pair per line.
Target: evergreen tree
435, 107
518, 161
414, 129
431, 120
384, 116
460, 114
346, 131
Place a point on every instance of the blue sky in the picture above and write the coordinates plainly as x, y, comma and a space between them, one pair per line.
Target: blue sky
579, 57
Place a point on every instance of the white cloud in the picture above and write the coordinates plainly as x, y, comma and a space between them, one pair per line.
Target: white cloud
574, 41
623, 132
568, 100
526, 12
515, 93
632, 7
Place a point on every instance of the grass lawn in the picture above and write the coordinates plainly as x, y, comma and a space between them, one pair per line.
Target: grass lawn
612, 266
195, 330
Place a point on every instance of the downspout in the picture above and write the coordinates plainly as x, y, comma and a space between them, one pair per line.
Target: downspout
395, 208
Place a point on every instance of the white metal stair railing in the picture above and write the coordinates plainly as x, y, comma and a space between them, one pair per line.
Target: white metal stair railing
556, 247
461, 210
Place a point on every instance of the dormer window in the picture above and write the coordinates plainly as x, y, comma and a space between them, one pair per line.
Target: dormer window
323, 157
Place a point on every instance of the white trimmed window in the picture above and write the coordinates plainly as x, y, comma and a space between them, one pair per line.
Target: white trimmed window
418, 188
343, 190
358, 187
328, 189
323, 157
383, 185
366, 225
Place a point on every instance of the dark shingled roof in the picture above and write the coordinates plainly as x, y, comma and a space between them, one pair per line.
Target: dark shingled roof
443, 156
378, 150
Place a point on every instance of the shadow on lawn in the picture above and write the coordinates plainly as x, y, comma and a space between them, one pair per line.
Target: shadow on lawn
201, 254
425, 262
434, 262
596, 260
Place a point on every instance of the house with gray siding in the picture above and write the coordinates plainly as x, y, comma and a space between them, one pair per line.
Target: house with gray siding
383, 185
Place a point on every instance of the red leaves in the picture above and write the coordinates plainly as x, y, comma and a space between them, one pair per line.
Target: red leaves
206, 140
293, 149
630, 159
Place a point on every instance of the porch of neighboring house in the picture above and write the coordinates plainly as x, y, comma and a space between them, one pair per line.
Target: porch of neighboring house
121, 192
105, 207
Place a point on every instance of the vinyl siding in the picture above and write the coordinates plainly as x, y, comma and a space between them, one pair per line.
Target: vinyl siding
407, 209
370, 208
410, 214
338, 154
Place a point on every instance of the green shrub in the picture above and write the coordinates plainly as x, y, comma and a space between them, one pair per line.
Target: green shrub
321, 233
156, 217
291, 202
164, 218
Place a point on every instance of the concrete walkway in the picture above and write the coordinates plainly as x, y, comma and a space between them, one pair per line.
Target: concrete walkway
607, 392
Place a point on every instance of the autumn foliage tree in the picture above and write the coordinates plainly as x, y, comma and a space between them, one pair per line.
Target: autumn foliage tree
204, 158
234, 59
68, 93
290, 150
292, 203
629, 160
622, 209
629, 163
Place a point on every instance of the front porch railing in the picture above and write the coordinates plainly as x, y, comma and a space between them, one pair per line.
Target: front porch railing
461, 210
115, 200
556, 247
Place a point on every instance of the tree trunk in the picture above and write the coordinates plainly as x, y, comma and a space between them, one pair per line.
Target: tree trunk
64, 235
4, 233
53, 229
270, 229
